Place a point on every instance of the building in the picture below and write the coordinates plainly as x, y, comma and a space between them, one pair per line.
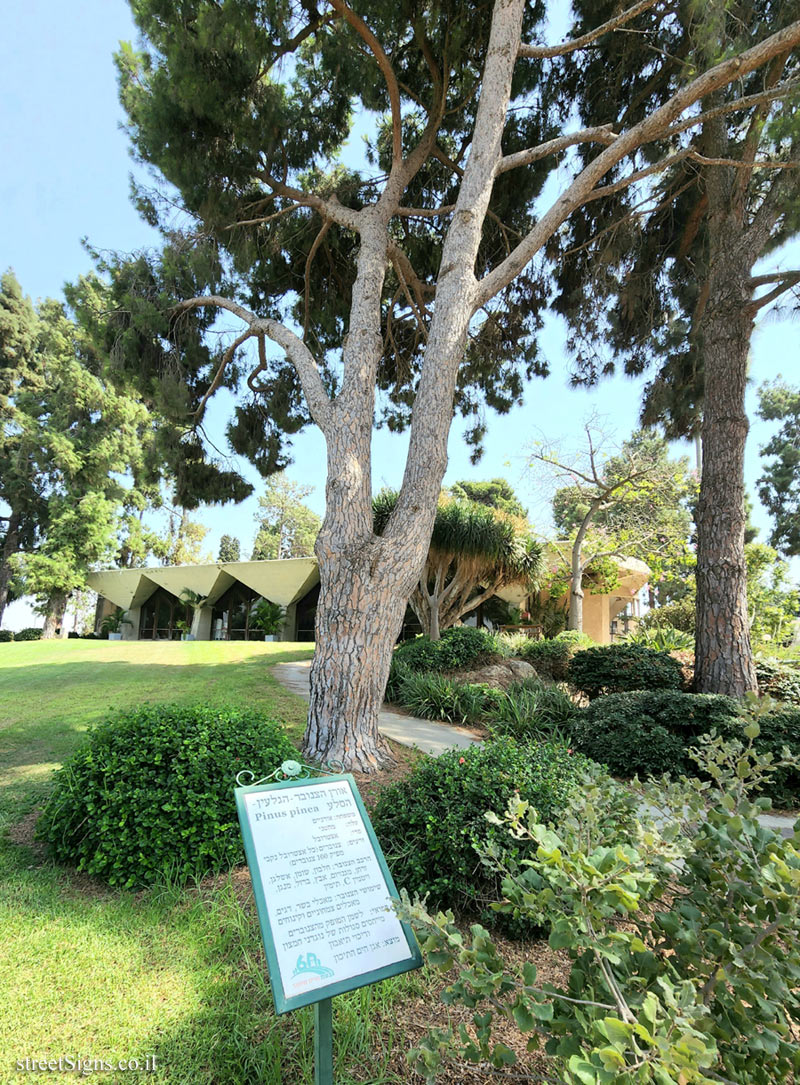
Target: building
230, 591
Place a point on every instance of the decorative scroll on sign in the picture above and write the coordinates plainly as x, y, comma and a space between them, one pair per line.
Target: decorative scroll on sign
323, 890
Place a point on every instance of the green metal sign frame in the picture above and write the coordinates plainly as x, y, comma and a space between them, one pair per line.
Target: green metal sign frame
324, 992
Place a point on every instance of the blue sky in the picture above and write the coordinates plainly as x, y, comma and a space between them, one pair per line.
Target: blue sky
64, 176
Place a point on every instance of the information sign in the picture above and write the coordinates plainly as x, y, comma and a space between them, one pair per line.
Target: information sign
322, 888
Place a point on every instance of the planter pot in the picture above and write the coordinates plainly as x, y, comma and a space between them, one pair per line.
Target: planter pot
187, 636
115, 636
269, 636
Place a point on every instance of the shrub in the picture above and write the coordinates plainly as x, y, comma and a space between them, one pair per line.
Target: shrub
550, 658
778, 680
781, 728
616, 668
682, 940
6, 636
151, 792
31, 633
576, 637
430, 824
649, 733
459, 647
664, 638
678, 615
530, 709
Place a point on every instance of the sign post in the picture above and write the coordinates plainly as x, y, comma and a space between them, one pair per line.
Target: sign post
323, 894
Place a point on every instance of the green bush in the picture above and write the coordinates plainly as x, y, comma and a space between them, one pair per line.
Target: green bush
664, 638
678, 615
617, 668
529, 709
576, 637
31, 633
430, 824
681, 941
779, 729
150, 792
458, 648
549, 658
6, 636
778, 680
648, 733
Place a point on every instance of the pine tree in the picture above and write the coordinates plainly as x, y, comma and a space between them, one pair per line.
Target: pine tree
664, 272
229, 549
410, 289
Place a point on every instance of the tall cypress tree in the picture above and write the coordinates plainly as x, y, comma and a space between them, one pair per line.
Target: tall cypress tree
662, 273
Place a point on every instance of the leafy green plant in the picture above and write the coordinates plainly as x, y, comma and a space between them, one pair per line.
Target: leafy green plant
530, 709
650, 732
113, 622
6, 636
616, 668
436, 697
550, 658
664, 638
458, 647
431, 823
151, 791
268, 617
778, 680
29, 633
679, 614
697, 984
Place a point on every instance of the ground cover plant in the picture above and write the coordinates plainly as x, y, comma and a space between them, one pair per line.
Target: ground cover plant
430, 824
679, 971
149, 793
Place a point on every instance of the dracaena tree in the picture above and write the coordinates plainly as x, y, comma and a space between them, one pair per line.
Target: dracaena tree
409, 288
671, 275
475, 550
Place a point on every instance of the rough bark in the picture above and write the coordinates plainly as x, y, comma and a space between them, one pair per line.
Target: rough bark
54, 618
10, 547
358, 621
723, 655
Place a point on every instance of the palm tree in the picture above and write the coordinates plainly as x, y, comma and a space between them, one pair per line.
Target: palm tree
474, 551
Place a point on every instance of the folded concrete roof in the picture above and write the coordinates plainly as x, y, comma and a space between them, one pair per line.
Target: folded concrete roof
283, 581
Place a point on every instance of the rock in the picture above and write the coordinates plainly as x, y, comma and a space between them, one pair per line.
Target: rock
498, 675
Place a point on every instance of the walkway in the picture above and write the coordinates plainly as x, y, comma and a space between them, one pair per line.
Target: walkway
426, 735
435, 738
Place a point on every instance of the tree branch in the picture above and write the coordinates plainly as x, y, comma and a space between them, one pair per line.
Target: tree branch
328, 208
547, 51
387, 71
788, 282
319, 403
602, 134
647, 130
733, 107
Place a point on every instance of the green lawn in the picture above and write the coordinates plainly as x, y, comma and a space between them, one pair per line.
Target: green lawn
179, 973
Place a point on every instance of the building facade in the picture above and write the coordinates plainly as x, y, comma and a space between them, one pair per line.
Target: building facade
155, 599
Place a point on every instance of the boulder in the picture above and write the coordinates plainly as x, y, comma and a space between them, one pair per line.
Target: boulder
498, 675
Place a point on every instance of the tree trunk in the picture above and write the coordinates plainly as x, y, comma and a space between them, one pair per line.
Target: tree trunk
575, 620
54, 618
10, 547
723, 655
359, 615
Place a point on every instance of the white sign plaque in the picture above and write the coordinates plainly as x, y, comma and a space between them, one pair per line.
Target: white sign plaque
322, 888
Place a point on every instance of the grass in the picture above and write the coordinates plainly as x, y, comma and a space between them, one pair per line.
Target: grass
175, 972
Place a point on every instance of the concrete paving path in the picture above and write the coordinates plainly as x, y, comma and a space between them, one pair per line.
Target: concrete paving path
426, 735
434, 738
